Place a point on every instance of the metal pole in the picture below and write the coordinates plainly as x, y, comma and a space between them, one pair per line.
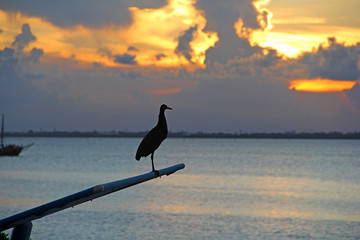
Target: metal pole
22, 231
20, 222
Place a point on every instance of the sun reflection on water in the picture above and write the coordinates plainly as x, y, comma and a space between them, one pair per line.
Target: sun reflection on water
260, 196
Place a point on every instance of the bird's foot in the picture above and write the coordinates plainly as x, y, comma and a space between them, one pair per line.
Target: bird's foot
156, 172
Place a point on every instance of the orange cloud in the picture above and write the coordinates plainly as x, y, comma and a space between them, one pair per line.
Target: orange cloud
255, 35
320, 85
291, 33
293, 44
165, 91
154, 33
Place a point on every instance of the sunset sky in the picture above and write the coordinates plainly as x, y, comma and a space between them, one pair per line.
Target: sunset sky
250, 66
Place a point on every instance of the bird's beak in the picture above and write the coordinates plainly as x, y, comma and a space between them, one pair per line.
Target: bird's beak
168, 108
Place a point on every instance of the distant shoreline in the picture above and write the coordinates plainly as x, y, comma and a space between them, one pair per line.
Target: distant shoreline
121, 134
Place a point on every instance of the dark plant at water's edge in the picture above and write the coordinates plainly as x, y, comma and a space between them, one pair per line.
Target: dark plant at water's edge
4, 236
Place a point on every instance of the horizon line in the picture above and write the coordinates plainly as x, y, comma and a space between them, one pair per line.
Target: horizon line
184, 134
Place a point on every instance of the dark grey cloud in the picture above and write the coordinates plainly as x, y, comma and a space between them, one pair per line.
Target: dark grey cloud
255, 88
220, 14
20, 98
250, 103
68, 13
24, 38
131, 74
183, 47
259, 66
8, 63
15, 86
233, 104
268, 60
132, 48
221, 17
160, 56
97, 64
26, 105
35, 54
336, 62
354, 96
239, 90
10, 58
106, 52
7, 55
125, 59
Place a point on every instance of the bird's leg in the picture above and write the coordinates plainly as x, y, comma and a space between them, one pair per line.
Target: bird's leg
153, 168
152, 161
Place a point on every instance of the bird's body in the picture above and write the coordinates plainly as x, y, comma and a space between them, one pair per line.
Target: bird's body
154, 138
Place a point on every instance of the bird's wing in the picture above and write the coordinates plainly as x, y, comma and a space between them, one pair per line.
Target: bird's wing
150, 143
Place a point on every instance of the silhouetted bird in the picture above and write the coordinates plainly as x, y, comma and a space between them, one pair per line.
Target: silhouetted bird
153, 139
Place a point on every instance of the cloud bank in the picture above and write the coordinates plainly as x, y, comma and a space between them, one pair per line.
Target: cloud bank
214, 79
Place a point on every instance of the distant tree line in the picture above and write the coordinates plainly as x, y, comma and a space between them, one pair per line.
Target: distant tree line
182, 134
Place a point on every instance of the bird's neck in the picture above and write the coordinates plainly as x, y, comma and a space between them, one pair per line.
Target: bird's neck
162, 120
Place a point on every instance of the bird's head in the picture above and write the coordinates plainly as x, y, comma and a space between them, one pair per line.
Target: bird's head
163, 107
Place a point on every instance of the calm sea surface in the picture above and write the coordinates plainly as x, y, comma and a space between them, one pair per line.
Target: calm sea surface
229, 189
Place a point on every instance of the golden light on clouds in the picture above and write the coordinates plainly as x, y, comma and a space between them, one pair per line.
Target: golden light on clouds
156, 31
265, 16
320, 85
150, 40
293, 44
153, 37
256, 36
290, 32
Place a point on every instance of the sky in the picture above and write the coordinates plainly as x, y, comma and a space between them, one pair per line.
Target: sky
223, 66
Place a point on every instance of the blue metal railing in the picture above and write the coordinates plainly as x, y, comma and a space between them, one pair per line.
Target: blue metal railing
21, 222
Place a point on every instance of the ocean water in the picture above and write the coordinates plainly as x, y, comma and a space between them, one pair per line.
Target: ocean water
229, 189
